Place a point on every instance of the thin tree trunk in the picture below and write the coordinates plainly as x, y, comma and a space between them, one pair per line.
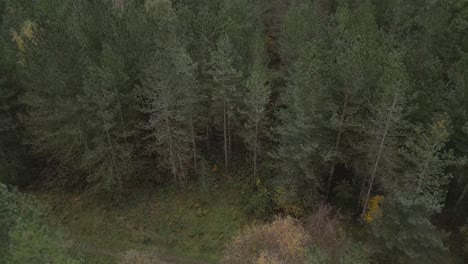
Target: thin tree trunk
207, 139
255, 150
361, 193
462, 196
171, 151
225, 142
377, 160
229, 140
113, 156
194, 146
181, 166
337, 142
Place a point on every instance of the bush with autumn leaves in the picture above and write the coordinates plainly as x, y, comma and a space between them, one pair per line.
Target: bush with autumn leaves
319, 239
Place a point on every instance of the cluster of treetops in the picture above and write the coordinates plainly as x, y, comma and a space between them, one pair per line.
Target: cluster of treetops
362, 101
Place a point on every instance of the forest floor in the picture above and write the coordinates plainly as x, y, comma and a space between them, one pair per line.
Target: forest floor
181, 223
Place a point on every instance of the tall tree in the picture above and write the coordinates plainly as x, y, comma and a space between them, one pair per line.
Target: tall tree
80, 92
167, 96
404, 229
358, 54
226, 93
385, 125
257, 98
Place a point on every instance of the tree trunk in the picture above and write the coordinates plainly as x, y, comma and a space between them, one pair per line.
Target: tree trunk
225, 142
229, 140
337, 142
194, 146
462, 196
171, 151
377, 160
361, 193
181, 166
207, 139
255, 150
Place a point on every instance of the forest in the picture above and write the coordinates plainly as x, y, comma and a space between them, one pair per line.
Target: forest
233, 131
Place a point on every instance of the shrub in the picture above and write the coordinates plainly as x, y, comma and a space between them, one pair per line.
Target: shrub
37, 243
25, 236
325, 229
287, 200
329, 243
14, 206
259, 204
282, 241
355, 253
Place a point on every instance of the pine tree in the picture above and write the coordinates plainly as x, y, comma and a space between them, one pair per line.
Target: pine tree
167, 96
358, 54
257, 98
385, 125
404, 229
226, 90
300, 149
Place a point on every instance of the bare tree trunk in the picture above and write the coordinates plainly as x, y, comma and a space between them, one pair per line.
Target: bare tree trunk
377, 160
229, 140
255, 150
194, 146
225, 142
181, 166
361, 193
462, 196
337, 142
171, 151
207, 139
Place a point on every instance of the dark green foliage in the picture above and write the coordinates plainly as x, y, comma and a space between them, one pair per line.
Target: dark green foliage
14, 161
258, 203
349, 101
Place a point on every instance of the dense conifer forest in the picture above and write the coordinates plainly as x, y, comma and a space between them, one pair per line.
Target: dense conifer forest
233, 131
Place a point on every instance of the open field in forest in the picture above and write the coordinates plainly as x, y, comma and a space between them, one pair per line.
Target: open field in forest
182, 224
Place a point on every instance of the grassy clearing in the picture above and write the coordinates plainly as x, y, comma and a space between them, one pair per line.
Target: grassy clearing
182, 223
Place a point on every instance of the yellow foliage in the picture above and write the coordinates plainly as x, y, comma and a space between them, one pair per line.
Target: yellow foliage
282, 241
286, 199
441, 124
27, 33
214, 168
373, 211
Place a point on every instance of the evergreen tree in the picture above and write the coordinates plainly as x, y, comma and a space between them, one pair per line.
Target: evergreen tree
167, 96
299, 150
257, 98
385, 126
404, 229
226, 90
358, 54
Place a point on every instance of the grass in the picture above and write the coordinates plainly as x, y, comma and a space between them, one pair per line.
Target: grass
182, 223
